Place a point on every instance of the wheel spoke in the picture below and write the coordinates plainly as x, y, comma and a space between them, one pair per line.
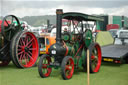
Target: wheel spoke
23, 41
20, 52
26, 40
29, 41
20, 57
19, 49
12, 20
30, 56
25, 59
95, 52
20, 46
7, 22
94, 63
30, 53
29, 45
94, 66
20, 42
10, 35
8, 29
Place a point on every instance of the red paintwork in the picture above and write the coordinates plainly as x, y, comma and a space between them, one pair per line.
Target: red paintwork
29, 57
97, 30
5, 24
79, 49
99, 58
67, 21
112, 26
45, 67
64, 21
69, 68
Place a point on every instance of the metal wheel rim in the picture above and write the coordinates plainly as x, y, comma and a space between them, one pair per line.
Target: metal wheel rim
27, 50
9, 29
46, 70
69, 68
96, 59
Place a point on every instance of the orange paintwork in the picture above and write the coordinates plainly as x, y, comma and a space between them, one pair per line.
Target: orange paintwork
51, 40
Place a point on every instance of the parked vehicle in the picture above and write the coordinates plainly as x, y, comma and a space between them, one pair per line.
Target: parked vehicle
70, 50
20, 47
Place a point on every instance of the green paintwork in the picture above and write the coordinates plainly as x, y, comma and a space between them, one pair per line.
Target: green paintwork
117, 20
66, 37
20, 23
88, 38
74, 45
80, 16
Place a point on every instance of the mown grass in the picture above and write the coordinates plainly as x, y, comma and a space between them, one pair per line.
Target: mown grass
109, 74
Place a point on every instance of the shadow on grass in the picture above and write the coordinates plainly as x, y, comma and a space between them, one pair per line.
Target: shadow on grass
56, 73
10, 66
111, 64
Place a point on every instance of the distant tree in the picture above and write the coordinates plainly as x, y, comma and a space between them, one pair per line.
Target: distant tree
39, 20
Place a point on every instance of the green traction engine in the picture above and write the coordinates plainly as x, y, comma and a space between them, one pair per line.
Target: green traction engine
16, 45
70, 50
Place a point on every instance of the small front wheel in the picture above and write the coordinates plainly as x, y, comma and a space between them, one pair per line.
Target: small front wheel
67, 68
44, 68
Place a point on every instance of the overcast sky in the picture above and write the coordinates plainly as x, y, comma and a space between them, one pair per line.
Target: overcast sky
23, 8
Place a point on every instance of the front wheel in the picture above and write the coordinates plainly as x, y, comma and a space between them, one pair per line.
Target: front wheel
67, 68
44, 68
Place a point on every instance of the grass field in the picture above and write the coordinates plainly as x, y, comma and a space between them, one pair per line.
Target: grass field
109, 74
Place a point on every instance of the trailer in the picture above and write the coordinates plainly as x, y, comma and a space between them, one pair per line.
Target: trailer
118, 51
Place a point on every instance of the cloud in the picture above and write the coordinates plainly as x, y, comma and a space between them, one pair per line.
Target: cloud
23, 8
118, 11
21, 12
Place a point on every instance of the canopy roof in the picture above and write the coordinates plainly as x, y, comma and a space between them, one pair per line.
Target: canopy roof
81, 17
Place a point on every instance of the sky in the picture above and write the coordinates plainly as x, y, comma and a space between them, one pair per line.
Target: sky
23, 8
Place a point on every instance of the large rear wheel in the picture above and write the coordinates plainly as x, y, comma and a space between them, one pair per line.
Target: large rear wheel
24, 49
95, 57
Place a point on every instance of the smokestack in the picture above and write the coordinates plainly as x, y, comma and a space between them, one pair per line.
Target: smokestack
122, 21
59, 13
48, 23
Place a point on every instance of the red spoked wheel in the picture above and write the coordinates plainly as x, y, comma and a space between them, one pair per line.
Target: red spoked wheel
95, 57
24, 49
44, 68
67, 68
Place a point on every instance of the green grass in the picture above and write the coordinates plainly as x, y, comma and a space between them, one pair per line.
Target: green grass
109, 74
